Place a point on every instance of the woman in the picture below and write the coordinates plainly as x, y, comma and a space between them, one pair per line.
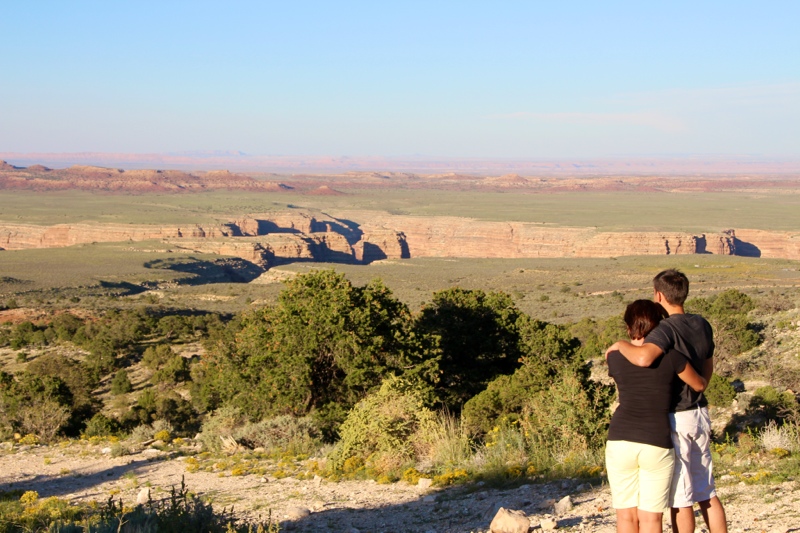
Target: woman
639, 454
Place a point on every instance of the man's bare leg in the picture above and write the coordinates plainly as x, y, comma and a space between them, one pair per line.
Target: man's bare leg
627, 520
683, 520
714, 515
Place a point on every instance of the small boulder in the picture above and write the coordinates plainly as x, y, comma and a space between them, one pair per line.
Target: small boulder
509, 521
546, 504
424, 483
143, 497
564, 505
317, 481
105, 451
548, 524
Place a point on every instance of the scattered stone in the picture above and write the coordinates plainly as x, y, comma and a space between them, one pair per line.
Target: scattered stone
424, 483
6, 445
158, 443
546, 504
583, 487
263, 480
738, 385
143, 497
565, 484
151, 451
259, 449
509, 521
317, 480
429, 499
548, 524
296, 513
105, 451
482, 495
564, 505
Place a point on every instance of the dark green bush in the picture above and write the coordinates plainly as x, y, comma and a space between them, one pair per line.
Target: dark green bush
773, 404
734, 332
155, 357
101, 426
175, 370
478, 337
720, 392
318, 351
121, 384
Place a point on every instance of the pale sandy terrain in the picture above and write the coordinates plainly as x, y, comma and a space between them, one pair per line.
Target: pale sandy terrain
83, 472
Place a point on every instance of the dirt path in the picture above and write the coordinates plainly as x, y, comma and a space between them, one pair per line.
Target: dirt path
83, 472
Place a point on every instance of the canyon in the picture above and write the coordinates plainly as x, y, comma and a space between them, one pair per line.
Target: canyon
361, 237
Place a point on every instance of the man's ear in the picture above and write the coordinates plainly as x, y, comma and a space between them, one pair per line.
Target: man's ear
658, 297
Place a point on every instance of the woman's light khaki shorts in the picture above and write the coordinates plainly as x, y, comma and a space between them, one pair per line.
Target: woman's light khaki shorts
639, 475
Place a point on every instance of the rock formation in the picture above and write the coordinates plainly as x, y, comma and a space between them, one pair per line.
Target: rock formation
273, 238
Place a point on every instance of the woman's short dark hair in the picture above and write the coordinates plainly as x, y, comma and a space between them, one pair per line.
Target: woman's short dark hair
642, 316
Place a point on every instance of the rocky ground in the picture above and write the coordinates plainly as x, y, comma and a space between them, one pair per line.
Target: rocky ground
83, 472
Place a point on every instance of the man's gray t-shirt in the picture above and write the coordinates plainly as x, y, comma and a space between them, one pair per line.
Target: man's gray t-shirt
691, 335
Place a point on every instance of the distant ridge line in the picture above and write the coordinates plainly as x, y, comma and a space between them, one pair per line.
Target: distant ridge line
240, 161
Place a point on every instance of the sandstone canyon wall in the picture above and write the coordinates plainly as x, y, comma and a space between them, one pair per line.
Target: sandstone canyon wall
362, 237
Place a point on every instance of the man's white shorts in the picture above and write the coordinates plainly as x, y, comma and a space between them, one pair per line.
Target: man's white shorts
693, 478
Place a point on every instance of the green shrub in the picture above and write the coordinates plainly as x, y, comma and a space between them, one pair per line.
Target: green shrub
101, 426
727, 312
155, 357
549, 350
221, 423
388, 428
282, 434
772, 404
570, 415
121, 384
175, 370
720, 392
319, 350
180, 512
478, 336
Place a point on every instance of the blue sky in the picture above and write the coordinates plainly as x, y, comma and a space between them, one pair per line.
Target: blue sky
439, 79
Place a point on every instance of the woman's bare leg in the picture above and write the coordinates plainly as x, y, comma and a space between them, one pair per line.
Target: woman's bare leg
628, 520
649, 522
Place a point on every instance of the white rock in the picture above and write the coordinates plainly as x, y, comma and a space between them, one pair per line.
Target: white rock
143, 497
263, 480
105, 451
151, 451
317, 480
424, 483
564, 505
509, 521
548, 524
429, 499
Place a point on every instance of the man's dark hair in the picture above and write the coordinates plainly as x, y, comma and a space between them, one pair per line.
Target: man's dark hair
673, 284
642, 316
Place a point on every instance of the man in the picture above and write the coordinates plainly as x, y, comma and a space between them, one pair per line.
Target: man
691, 335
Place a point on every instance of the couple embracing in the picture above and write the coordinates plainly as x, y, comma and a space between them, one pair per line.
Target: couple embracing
658, 455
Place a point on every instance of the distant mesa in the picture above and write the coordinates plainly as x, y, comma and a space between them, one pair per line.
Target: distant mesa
324, 190
134, 181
